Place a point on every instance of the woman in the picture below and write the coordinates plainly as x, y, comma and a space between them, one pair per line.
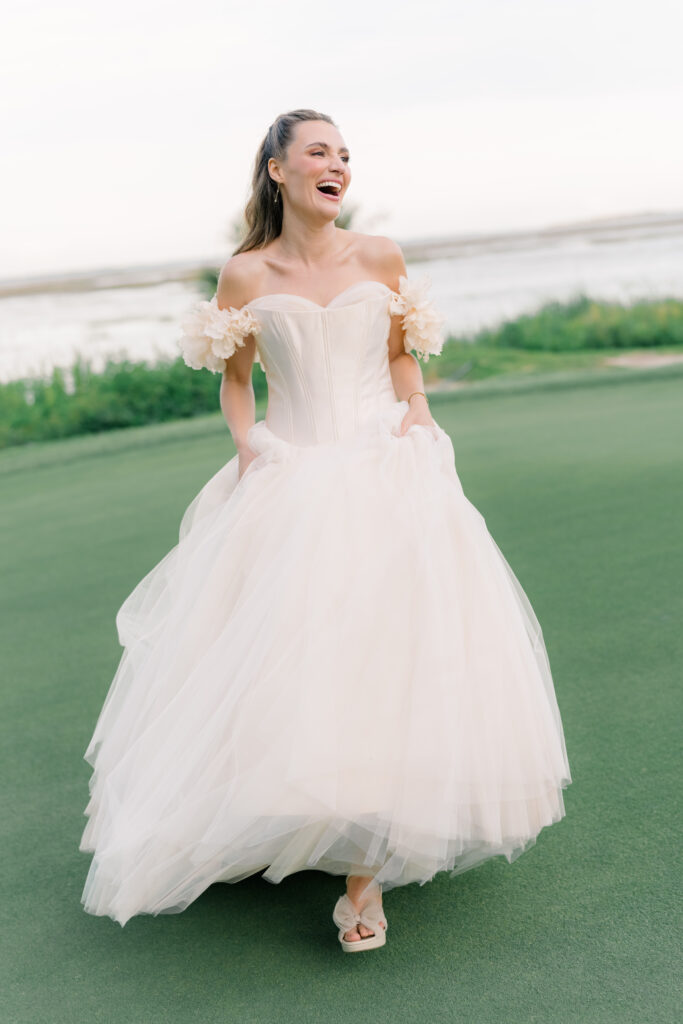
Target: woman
335, 668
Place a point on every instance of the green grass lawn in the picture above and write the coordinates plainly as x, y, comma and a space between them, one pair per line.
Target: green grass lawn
582, 487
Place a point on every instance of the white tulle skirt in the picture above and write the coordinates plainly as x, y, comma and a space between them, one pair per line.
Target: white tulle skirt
334, 669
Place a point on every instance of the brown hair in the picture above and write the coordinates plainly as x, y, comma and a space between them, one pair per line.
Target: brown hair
263, 216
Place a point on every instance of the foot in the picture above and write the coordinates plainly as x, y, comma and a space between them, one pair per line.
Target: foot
354, 887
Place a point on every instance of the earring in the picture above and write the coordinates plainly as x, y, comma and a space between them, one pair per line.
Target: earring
277, 193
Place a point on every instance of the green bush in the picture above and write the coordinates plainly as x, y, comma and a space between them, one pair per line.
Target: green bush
584, 323
124, 394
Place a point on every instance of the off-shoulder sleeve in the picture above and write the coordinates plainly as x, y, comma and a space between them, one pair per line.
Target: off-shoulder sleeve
422, 323
211, 335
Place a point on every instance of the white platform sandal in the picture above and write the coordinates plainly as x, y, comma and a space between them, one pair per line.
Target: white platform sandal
346, 917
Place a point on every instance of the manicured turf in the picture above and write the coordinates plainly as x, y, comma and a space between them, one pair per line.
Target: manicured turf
582, 488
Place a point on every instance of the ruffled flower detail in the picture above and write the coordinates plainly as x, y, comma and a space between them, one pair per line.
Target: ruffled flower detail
211, 335
423, 325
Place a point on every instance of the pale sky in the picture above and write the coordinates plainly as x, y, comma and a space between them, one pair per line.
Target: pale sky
129, 130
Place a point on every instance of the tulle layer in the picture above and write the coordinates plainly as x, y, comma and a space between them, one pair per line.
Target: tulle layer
335, 668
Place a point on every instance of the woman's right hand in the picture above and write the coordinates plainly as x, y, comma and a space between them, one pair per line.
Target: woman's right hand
246, 457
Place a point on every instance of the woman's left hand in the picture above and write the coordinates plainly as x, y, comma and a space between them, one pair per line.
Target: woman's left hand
418, 412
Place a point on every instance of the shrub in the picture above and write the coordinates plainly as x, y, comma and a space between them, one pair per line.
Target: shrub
124, 394
584, 323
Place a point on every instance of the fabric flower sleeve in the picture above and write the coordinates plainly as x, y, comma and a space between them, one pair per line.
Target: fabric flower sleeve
211, 335
422, 323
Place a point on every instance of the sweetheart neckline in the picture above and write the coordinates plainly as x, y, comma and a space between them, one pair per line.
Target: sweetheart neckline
303, 298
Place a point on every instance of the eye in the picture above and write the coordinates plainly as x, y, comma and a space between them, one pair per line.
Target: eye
319, 152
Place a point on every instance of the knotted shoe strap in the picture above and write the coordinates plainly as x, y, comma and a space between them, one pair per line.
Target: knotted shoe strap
346, 917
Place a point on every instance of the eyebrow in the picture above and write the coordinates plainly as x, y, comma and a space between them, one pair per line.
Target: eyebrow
343, 149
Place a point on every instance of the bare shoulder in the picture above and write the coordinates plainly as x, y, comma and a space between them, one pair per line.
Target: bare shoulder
383, 257
239, 279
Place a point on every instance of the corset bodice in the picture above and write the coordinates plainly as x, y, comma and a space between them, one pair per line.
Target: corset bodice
327, 367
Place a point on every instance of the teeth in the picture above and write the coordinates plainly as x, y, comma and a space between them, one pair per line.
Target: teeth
336, 184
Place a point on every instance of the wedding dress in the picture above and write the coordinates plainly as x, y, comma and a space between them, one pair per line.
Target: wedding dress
335, 668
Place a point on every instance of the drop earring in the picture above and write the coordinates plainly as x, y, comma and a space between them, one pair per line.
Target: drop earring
277, 193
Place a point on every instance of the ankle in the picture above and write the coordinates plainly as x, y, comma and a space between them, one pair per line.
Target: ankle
359, 888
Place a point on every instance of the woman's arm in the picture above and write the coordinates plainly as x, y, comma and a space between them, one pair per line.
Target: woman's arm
237, 399
406, 374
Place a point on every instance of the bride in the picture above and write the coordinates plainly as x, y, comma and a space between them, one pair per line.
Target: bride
293, 246
335, 668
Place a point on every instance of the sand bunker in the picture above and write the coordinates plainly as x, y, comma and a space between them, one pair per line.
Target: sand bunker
645, 360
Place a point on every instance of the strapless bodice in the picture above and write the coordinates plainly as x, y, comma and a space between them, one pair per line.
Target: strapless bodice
327, 367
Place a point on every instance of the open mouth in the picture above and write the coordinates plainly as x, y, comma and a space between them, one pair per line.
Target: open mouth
329, 189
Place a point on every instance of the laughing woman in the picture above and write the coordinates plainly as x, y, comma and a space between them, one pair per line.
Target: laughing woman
335, 668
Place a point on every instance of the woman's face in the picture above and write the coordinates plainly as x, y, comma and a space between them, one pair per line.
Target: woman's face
316, 154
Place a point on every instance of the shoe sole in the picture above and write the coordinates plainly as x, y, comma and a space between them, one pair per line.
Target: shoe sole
371, 942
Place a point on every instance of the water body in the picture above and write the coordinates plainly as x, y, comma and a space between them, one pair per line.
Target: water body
477, 281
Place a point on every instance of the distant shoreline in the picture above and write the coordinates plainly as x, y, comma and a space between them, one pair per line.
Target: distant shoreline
599, 231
